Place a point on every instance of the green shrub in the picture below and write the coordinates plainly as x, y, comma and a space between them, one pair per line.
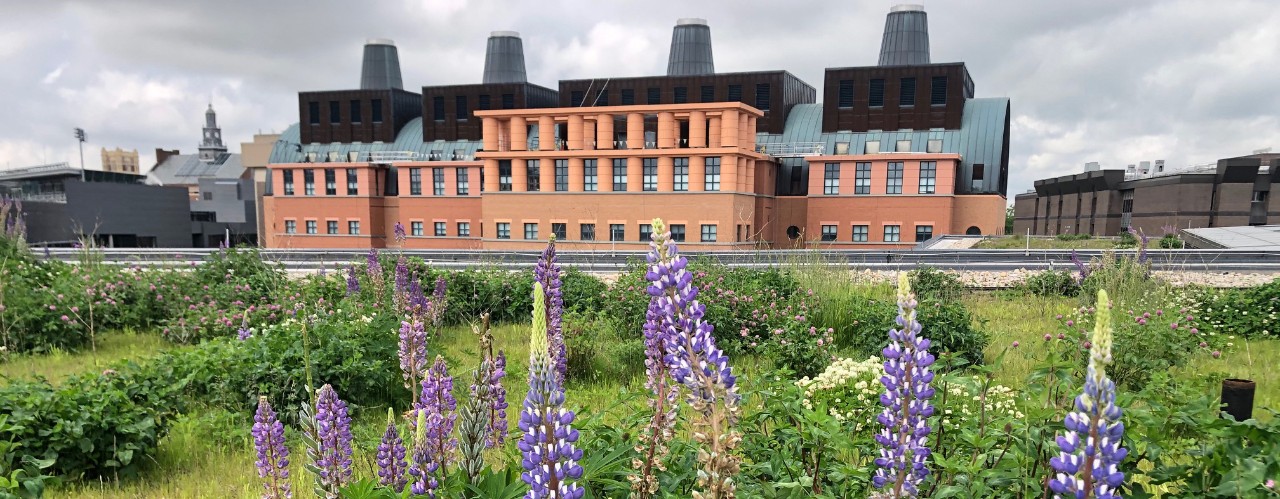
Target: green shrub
1126, 279
1171, 241
1074, 237
1248, 312
1051, 283
929, 283
598, 351
1127, 240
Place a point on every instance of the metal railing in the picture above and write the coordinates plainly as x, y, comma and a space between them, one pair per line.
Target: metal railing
392, 156
792, 149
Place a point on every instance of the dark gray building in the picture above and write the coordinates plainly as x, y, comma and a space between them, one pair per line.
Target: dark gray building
63, 205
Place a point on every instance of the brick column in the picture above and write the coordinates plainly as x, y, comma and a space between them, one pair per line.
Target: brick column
698, 129
666, 130
729, 128
490, 175
729, 173
713, 132
519, 176
519, 134
604, 131
575, 133
635, 131
575, 173
666, 173
604, 175
588, 134
547, 175
489, 131
546, 133
635, 174
697, 173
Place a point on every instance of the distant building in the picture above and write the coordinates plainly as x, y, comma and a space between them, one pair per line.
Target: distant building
254, 157
1232, 192
120, 161
114, 209
219, 189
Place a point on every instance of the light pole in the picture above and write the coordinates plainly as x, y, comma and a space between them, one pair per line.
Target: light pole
81, 137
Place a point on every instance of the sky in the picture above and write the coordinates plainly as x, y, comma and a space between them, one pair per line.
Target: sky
1090, 80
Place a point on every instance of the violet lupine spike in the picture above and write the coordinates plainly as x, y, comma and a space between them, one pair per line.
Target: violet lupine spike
418, 305
653, 445
402, 275
695, 362
413, 353
1090, 452
422, 467
441, 411
904, 444
1081, 267
373, 265
1143, 240
391, 456
273, 454
333, 440
550, 458
498, 397
353, 284
439, 301
547, 272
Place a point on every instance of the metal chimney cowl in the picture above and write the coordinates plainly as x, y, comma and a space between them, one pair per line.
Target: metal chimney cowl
691, 49
381, 66
906, 36
504, 58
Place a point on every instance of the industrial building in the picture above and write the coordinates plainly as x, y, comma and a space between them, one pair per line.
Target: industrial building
895, 154
1231, 192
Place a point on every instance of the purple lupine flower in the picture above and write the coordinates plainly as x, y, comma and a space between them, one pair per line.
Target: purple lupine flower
498, 397
373, 266
273, 454
663, 403
413, 354
1090, 452
422, 467
333, 440
907, 382
399, 231
1143, 240
547, 273
244, 333
353, 284
550, 459
438, 301
441, 411
391, 453
1080, 267
402, 275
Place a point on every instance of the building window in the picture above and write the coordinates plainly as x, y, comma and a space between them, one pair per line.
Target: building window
437, 108
587, 232
330, 182
938, 91
828, 233
504, 230
415, 181
602, 99
831, 179
924, 233
902, 146
464, 229
934, 145
335, 112
677, 233
735, 93
1126, 211
531, 231
440, 229
655, 96
590, 175
708, 93
575, 98
508, 101
892, 233
628, 96
376, 109
928, 176
313, 113
437, 181
533, 175
649, 167
464, 182
860, 233
682, 95
872, 147
353, 184
862, 178
460, 105
504, 175
355, 112
559, 230
709, 233
907, 92
646, 232
562, 175
290, 227
620, 175
353, 227
979, 172
762, 96
893, 183
617, 232
876, 94
711, 179
415, 228
288, 182
309, 182
846, 94
483, 103
680, 177
331, 227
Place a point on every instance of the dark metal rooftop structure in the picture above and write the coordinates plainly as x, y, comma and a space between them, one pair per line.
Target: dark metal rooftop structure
906, 36
691, 49
381, 66
504, 58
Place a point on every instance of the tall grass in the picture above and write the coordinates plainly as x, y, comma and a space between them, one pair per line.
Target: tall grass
58, 364
841, 292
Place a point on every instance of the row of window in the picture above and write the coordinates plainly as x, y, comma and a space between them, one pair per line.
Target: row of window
462, 181
708, 233
618, 174
330, 182
892, 233
462, 107
680, 95
335, 112
893, 179
440, 229
906, 92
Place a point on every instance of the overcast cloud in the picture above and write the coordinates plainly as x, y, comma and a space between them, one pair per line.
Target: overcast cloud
1115, 82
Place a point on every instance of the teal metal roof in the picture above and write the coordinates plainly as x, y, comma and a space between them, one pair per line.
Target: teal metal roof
409, 139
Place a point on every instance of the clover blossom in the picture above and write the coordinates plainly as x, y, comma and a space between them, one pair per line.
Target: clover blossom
390, 456
653, 445
422, 467
353, 284
1088, 464
547, 273
413, 354
904, 438
273, 454
332, 457
695, 362
439, 408
550, 459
